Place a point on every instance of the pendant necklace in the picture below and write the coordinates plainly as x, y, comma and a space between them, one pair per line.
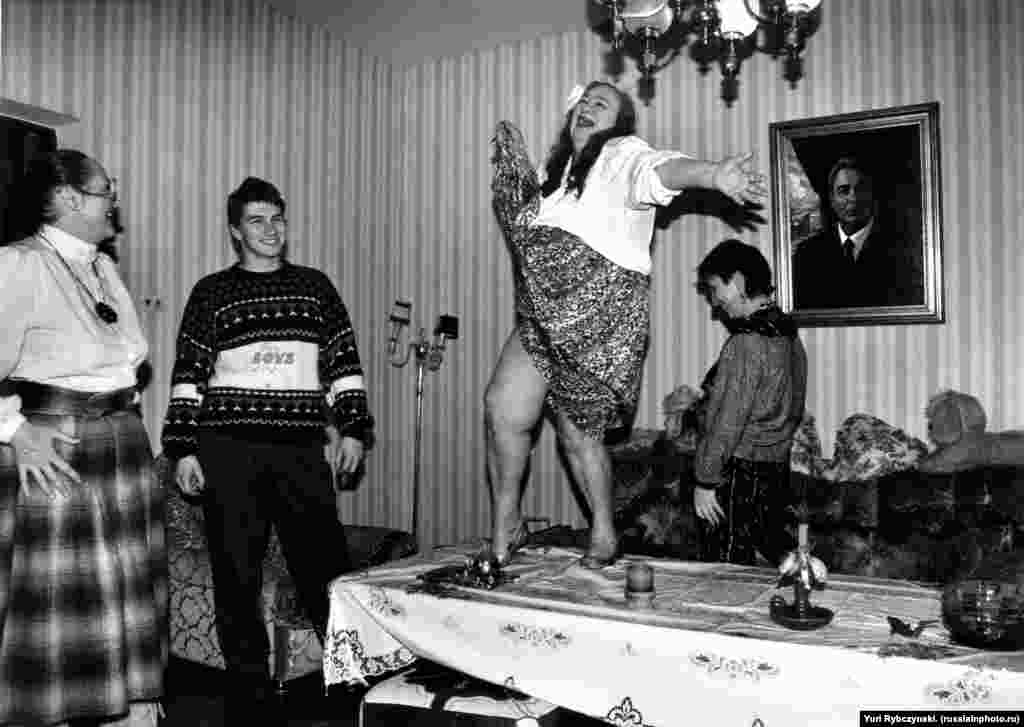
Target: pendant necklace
104, 311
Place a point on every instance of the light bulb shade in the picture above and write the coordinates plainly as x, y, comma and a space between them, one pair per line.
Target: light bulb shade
801, 6
734, 20
641, 16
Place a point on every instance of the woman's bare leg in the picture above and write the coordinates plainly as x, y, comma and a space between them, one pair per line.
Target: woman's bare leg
513, 404
592, 467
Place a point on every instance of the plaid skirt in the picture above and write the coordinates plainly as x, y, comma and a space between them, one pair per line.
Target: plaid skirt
83, 579
582, 319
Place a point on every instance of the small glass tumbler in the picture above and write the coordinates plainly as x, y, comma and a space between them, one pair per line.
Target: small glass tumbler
639, 584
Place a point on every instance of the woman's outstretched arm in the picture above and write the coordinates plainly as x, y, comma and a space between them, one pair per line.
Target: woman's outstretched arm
733, 176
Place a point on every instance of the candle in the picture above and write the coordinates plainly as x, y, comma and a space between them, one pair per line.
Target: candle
801, 530
639, 578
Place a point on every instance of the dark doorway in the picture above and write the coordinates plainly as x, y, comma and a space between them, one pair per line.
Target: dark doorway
20, 141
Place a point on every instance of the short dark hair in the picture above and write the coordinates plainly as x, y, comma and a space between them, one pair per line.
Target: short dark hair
252, 189
44, 175
733, 256
848, 162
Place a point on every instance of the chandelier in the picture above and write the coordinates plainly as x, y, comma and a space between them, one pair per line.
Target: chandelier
718, 31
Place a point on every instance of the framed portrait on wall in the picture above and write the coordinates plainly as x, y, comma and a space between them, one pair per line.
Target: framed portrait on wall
856, 214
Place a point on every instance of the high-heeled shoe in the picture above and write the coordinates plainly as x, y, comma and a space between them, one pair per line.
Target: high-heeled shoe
592, 560
517, 540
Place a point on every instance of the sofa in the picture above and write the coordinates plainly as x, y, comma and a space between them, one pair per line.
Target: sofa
870, 511
295, 648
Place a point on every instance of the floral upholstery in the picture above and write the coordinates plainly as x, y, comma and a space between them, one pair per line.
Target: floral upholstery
805, 457
652, 511
193, 632
869, 448
682, 418
871, 511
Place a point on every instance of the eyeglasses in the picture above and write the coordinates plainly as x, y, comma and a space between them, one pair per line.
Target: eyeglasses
109, 193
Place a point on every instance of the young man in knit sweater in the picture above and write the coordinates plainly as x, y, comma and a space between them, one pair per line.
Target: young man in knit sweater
267, 402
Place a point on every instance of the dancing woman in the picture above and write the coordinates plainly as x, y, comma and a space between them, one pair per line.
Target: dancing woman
581, 246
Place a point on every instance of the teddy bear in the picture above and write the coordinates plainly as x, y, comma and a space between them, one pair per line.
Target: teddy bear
682, 408
957, 428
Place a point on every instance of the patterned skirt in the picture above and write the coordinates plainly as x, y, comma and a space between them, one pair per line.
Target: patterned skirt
583, 319
83, 579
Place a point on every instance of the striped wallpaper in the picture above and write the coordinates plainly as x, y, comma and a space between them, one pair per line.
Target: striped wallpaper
388, 172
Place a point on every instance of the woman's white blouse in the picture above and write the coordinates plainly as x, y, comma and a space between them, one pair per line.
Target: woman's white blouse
615, 213
51, 334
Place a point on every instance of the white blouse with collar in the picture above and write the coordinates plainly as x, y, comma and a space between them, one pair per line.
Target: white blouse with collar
51, 333
615, 213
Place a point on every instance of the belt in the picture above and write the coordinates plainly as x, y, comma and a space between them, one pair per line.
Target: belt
44, 399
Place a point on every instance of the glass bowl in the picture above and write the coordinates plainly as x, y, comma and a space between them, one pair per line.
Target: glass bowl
985, 613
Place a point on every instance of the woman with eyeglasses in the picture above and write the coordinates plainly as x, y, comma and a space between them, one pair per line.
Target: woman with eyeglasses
83, 584
581, 239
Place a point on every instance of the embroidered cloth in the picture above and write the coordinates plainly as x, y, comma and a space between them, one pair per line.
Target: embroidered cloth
705, 646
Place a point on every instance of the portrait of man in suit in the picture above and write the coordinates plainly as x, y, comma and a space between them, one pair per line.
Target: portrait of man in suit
865, 254
857, 217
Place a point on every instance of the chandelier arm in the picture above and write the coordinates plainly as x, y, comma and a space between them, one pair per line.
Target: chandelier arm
782, 33
662, 6
764, 20
769, 49
669, 57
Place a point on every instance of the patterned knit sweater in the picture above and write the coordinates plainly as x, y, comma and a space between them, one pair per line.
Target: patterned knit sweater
265, 356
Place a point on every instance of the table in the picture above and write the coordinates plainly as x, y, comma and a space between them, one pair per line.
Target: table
707, 646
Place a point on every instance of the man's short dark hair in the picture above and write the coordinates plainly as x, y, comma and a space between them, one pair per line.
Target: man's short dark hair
733, 256
48, 172
253, 189
848, 162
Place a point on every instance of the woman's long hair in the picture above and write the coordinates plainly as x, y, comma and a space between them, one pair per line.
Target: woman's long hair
561, 153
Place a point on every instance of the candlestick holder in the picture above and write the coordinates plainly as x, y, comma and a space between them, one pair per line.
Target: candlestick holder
428, 356
805, 573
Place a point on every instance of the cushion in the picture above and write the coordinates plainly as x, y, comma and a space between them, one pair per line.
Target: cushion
869, 448
184, 522
184, 519
682, 416
950, 414
192, 630
805, 457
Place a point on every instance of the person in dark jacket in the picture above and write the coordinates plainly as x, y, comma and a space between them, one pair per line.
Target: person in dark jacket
754, 403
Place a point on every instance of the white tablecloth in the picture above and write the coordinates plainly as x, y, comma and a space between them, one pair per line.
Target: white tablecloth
707, 647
